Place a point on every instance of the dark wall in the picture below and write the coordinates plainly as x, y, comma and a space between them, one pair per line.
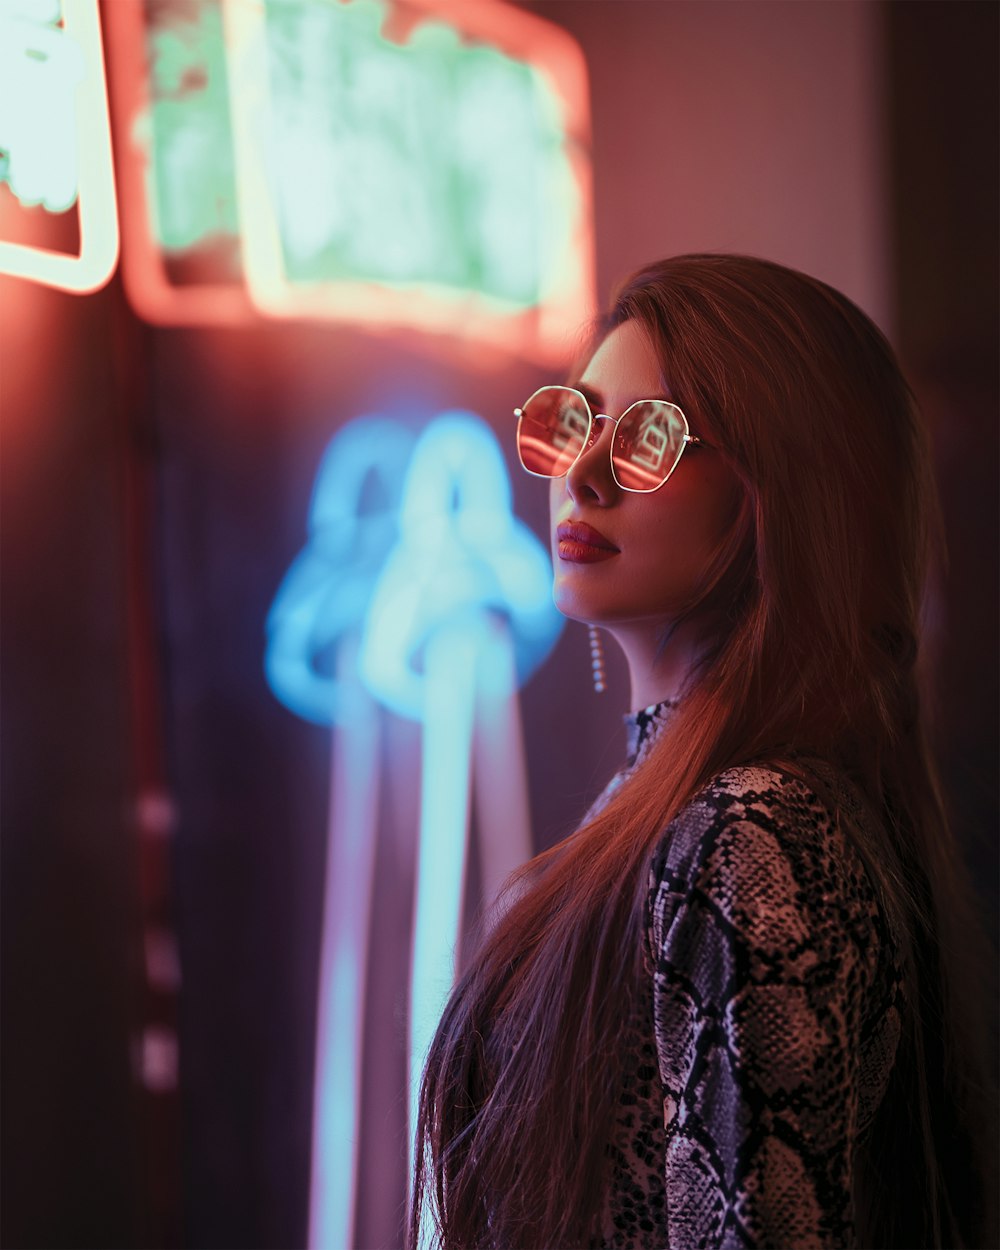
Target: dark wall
855, 141
69, 950
946, 184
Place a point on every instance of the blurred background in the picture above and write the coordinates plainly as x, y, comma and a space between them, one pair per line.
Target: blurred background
167, 794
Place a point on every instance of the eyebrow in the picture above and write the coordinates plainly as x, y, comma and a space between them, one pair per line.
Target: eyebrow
594, 398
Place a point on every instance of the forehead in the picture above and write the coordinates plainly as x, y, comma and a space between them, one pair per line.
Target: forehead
625, 365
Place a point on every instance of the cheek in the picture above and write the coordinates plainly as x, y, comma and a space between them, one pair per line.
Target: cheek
668, 549
557, 496
685, 529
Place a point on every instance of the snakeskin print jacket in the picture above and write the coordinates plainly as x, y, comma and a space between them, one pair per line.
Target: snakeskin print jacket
762, 1045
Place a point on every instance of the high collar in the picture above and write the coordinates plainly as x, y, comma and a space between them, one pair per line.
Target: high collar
643, 728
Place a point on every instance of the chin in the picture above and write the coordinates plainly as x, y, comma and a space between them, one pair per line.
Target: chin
577, 608
570, 607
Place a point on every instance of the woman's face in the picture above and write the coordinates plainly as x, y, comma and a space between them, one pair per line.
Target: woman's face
660, 542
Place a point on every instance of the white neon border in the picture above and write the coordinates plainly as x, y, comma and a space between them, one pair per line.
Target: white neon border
96, 205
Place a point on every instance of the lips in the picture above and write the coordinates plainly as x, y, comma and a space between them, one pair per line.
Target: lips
580, 543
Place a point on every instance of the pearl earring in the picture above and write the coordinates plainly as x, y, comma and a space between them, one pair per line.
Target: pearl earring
596, 658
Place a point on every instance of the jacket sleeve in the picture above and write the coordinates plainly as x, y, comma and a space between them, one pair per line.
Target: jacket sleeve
763, 952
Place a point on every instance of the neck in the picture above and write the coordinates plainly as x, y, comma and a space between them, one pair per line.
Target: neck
655, 675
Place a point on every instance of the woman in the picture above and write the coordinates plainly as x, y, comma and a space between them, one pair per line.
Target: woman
738, 1006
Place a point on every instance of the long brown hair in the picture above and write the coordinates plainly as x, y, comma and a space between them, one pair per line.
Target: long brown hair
813, 609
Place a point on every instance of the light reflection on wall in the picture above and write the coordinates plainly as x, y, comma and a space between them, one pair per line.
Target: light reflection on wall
419, 591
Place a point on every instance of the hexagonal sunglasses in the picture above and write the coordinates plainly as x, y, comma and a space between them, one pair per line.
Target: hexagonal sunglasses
556, 426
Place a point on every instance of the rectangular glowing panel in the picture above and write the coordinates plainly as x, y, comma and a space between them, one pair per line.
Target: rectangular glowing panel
409, 162
413, 163
181, 256
55, 145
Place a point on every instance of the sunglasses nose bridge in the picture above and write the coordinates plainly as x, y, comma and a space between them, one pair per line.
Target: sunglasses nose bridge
595, 429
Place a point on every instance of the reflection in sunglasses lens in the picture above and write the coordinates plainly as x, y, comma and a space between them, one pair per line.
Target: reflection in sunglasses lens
552, 431
647, 444
648, 440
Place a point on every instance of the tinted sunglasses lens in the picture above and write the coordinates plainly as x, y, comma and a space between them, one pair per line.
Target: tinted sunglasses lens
648, 443
552, 431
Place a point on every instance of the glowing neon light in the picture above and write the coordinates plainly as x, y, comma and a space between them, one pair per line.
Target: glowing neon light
192, 188
440, 627
55, 137
500, 774
311, 664
353, 524
347, 895
411, 162
461, 552
463, 608
38, 62
381, 229
174, 143
422, 160
450, 667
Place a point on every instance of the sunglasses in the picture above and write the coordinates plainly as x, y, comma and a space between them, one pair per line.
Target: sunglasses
556, 426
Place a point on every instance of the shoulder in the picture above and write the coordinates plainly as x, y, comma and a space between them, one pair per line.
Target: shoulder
762, 808
759, 799
768, 857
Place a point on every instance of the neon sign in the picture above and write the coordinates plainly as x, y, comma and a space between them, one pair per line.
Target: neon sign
182, 254
314, 629
324, 598
461, 553
410, 162
462, 614
417, 590
55, 140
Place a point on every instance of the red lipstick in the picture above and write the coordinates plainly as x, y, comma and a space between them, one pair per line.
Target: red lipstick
579, 543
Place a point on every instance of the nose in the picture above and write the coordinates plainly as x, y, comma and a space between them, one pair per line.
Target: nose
590, 479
